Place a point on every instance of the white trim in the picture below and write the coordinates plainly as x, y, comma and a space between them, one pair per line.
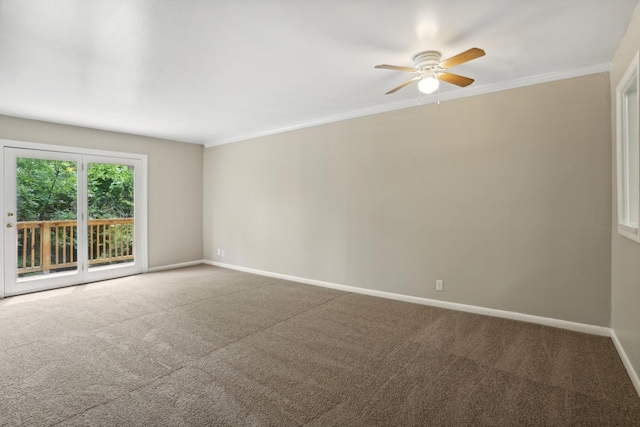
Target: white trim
547, 321
144, 230
623, 176
172, 266
2, 243
67, 149
431, 99
629, 232
625, 360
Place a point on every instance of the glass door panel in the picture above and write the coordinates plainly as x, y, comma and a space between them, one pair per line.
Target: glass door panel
47, 216
114, 217
41, 222
111, 214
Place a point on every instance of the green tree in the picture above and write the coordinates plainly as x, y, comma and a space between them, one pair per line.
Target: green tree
110, 191
47, 190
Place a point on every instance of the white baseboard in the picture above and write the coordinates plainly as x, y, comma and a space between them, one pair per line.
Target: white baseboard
625, 360
547, 321
172, 266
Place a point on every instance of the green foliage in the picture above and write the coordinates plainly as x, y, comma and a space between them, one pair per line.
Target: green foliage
110, 190
47, 190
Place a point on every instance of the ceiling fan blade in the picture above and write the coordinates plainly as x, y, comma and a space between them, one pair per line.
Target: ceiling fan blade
396, 68
395, 89
468, 55
455, 79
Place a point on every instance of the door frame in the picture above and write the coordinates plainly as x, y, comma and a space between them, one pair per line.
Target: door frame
141, 231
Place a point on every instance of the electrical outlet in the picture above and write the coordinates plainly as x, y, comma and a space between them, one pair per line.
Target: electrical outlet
439, 285
223, 252
218, 251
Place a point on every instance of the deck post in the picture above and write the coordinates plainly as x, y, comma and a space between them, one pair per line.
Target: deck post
45, 247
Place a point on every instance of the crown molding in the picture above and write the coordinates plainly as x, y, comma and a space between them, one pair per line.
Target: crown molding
423, 100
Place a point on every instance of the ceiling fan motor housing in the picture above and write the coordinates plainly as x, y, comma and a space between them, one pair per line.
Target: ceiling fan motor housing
427, 61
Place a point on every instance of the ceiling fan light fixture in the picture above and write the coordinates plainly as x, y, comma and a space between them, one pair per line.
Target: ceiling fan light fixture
428, 84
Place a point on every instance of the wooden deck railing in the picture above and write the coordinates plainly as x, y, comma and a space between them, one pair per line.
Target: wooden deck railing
110, 241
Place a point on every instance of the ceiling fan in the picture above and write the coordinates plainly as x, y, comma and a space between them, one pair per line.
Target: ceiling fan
431, 70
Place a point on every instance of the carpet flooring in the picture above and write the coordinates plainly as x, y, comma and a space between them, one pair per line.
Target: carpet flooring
206, 346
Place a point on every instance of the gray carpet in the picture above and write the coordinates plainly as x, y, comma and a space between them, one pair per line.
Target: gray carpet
207, 346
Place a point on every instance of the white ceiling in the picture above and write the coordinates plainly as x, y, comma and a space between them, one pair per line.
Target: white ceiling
217, 71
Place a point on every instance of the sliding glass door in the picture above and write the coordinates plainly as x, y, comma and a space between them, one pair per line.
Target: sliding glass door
69, 218
113, 216
110, 210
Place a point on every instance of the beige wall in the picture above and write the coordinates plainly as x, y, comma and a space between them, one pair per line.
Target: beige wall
625, 254
174, 181
504, 196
